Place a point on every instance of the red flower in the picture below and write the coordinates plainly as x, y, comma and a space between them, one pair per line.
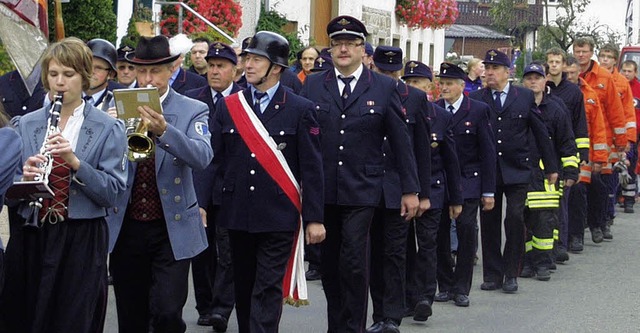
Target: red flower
225, 14
423, 14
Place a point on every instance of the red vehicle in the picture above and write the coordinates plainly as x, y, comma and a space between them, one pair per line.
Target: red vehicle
630, 52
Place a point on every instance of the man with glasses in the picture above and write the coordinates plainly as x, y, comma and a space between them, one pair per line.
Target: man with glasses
126, 70
104, 71
357, 110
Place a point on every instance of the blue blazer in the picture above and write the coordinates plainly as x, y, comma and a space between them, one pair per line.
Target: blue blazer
445, 168
101, 150
208, 187
15, 96
475, 146
414, 104
352, 137
511, 126
187, 80
183, 147
251, 199
9, 159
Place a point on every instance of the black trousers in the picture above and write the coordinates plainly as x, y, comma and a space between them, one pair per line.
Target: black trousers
458, 280
388, 264
56, 278
212, 271
422, 258
540, 224
312, 255
345, 266
497, 264
259, 265
149, 284
577, 207
597, 199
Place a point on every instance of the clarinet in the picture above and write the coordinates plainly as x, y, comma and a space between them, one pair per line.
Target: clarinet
52, 127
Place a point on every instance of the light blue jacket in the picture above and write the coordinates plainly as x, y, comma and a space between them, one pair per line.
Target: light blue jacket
101, 148
183, 147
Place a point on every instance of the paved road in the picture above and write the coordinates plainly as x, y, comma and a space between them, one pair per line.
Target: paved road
596, 291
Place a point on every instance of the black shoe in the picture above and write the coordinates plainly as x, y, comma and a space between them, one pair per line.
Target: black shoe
219, 323
543, 274
576, 245
596, 235
561, 254
376, 327
510, 285
606, 233
552, 266
443, 296
390, 326
527, 272
628, 209
204, 320
489, 285
313, 275
422, 311
461, 300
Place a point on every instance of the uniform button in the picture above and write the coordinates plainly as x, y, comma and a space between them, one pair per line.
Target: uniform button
175, 161
277, 106
341, 147
407, 121
253, 172
475, 173
467, 131
115, 210
499, 153
251, 188
343, 116
371, 111
383, 154
164, 191
73, 192
384, 138
340, 163
143, 200
499, 141
177, 217
317, 107
281, 132
177, 198
253, 155
24, 107
499, 118
499, 130
438, 181
166, 145
144, 215
177, 180
341, 131
144, 185
526, 159
231, 130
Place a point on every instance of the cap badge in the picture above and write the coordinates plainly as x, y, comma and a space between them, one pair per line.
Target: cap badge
492, 54
343, 21
412, 65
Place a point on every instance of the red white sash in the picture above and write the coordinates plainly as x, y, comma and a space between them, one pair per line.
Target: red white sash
257, 138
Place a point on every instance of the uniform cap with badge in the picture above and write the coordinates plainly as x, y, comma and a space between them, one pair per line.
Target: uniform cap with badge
323, 61
533, 68
346, 27
417, 69
388, 58
451, 71
221, 51
496, 57
123, 51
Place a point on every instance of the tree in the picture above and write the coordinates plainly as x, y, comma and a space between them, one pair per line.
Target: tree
86, 19
274, 21
504, 16
568, 25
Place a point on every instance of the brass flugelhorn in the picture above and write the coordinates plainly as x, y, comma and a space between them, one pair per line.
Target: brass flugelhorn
140, 146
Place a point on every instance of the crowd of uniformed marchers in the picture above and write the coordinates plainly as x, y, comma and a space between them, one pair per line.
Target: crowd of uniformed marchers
364, 160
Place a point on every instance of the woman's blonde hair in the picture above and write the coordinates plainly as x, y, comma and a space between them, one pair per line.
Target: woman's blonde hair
69, 52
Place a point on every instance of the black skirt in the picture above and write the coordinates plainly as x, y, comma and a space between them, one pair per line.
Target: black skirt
56, 278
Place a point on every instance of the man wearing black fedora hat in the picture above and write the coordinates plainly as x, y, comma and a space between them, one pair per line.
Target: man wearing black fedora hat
389, 229
212, 271
513, 115
156, 227
476, 151
357, 110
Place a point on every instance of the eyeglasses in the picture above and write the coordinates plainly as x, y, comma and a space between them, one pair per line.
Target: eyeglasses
349, 44
129, 67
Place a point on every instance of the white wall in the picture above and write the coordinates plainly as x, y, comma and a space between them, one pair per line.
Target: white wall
125, 9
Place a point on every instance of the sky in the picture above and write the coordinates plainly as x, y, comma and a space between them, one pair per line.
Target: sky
610, 12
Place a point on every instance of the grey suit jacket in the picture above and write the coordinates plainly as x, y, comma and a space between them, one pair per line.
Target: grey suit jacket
183, 147
101, 151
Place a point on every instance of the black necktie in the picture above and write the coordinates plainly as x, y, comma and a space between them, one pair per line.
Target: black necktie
451, 109
219, 98
257, 96
347, 87
497, 101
